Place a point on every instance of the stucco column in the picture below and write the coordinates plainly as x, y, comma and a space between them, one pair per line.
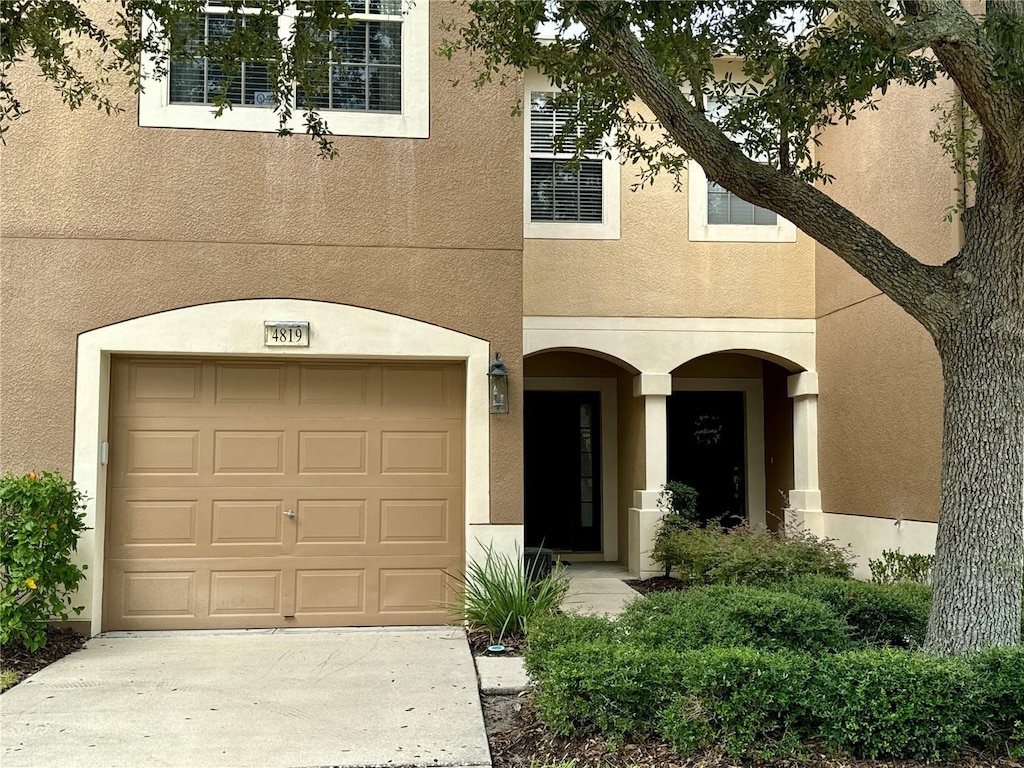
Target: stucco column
644, 515
805, 497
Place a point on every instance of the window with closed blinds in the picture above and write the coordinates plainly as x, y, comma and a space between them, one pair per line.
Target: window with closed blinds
363, 70
197, 80
560, 189
726, 208
723, 206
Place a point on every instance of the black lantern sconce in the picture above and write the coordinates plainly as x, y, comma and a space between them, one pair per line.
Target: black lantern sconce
497, 380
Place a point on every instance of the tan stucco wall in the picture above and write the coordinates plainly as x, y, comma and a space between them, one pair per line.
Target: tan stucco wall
104, 221
778, 444
654, 270
564, 363
880, 407
721, 365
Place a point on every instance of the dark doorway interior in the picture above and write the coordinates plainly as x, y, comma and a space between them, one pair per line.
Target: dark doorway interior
562, 470
706, 450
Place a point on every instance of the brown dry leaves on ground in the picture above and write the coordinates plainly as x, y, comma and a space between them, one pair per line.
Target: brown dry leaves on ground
59, 643
519, 740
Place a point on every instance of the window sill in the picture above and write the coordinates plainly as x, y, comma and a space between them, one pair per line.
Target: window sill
154, 114
702, 232
570, 230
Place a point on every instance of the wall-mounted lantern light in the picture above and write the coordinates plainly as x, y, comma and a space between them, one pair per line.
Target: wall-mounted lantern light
497, 379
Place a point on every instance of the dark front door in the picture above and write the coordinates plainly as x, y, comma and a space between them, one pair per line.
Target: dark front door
706, 450
562, 469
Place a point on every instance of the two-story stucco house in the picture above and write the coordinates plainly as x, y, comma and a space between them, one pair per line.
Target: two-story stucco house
269, 372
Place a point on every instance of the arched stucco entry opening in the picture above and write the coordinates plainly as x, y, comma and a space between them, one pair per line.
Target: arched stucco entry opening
730, 436
655, 348
577, 411
235, 328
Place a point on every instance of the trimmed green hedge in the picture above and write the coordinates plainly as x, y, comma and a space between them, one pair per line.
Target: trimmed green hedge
734, 617
999, 700
628, 678
750, 702
879, 615
616, 688
892, 703
549, 633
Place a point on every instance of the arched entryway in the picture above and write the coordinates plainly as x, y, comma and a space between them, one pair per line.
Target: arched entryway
574, 420
730, 437
766, 364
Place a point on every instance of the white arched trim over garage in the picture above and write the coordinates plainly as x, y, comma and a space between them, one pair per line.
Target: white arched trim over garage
236, 328
655, 347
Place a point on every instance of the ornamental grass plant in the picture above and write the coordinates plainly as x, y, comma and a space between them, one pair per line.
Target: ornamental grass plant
501, 596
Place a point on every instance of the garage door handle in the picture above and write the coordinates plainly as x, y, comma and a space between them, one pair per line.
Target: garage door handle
289, 513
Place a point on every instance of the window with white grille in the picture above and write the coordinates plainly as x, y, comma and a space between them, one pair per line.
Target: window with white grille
565, 196
373, 82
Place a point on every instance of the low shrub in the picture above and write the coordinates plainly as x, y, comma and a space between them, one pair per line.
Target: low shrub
748, 702
41, 519
879, 615
998, 711
705, 556
894, 566
616, 688
678, 501
546, 634
892, 703
732, 617
499, 596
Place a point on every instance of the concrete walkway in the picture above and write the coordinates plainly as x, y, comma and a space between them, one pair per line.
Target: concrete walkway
598, 589
284, 699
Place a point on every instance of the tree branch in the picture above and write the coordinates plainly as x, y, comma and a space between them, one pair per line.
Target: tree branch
958, 43
921, 290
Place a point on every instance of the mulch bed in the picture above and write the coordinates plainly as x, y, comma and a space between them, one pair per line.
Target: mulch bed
657, 584
480, 640
59, 643
519, 740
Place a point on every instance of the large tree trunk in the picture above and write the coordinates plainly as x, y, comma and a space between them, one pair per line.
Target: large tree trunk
978, 568
980, 547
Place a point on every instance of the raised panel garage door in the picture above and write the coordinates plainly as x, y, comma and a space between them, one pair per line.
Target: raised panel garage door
247, 494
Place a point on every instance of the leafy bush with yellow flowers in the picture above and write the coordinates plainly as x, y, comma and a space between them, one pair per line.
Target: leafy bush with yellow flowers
41, 519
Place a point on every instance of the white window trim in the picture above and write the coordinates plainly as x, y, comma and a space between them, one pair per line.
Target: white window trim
700, 231
156, 111
609, 228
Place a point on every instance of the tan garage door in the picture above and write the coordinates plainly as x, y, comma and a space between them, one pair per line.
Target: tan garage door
267, 494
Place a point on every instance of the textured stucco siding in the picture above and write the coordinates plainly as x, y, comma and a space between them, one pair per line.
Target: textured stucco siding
655, 271
103, 221
880, 408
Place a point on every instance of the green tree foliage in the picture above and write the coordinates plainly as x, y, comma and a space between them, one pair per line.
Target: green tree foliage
81, 48
646, 73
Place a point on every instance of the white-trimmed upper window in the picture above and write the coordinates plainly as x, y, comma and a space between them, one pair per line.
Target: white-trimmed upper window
718, 215
376, 77
564, 198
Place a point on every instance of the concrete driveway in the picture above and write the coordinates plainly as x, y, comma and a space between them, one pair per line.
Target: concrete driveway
288, 698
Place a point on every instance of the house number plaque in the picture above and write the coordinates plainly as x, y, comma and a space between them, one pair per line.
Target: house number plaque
278, 333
